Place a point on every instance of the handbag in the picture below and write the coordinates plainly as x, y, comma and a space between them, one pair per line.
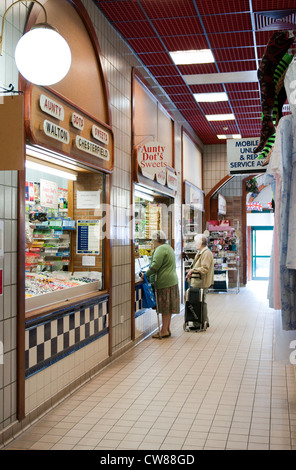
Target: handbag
149, 300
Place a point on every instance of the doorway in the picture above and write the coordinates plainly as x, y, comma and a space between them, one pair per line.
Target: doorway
261, 238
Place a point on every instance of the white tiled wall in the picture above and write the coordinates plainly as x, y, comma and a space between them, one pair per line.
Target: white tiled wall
8, 213
8, 311
117, 61
215, 165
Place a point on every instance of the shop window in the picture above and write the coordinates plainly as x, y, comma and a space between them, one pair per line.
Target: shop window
64, 233
153, 211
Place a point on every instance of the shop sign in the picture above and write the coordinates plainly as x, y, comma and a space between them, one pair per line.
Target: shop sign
56, 132
77, 121
172, 180
51, 107
91, 148
153, 158
100, 135
196, 198
48, 194
221, 204
241, 157
161, 177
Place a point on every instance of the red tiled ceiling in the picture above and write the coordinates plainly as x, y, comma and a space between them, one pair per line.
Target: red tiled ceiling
185, 43
164, 71
168, 8
228, 23
136, 29
245, 95
234, 53
154, 27
175, 27
160, 58
239, 66
128, 10
216, 88
170, 81
213, 7
268, 5
178, 90
238, 87
219, 127
238, 39
146, 45
197, 68
221, 107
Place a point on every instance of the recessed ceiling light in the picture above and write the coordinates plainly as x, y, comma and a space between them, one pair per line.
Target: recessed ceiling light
203, 56
220, 117
210, 97
231, 136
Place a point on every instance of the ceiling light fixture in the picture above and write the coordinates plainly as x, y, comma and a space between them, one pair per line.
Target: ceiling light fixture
203, 56
210, 97
50, 170
231, 136
42, 55
220, 117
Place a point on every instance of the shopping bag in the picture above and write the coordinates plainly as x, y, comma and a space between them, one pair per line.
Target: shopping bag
149, 300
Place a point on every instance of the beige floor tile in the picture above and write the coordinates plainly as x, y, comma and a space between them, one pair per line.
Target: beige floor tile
221, 389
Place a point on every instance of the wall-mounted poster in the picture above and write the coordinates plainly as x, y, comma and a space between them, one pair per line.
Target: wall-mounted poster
88, 237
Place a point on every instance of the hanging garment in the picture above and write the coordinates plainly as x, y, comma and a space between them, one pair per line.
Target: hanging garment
290, 86
287, 276
274, 174
278, 45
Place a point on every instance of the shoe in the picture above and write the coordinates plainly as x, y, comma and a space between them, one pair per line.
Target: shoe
161, 336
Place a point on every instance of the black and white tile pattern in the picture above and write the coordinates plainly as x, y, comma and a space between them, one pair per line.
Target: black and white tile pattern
52, 337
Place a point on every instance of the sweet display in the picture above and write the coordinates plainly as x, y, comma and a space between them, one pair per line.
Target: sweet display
44, 283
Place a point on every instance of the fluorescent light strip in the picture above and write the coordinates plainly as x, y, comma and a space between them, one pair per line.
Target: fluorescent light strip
230, 136
50, 157
147, 197
50, 170
203, 56
210, 97
220, 117
227, 77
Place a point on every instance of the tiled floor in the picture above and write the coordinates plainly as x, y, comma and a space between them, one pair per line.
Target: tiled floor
221, 389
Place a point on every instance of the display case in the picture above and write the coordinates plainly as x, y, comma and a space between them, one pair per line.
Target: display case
224, 243
192, 217
64, 255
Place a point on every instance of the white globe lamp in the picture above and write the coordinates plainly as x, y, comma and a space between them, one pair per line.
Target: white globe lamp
43, 56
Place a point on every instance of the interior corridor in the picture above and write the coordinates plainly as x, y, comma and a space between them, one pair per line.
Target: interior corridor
219, 389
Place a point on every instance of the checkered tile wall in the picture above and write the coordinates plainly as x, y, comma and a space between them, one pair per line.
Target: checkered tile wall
52, 337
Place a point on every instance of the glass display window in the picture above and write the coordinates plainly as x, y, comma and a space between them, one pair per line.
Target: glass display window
64, 229
153, 211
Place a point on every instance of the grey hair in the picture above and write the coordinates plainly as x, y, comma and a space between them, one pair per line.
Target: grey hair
159, 236
201, 237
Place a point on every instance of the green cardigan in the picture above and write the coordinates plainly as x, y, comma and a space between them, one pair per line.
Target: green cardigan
163, 266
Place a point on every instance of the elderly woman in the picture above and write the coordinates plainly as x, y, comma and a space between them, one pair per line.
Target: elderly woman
163, 267
201, 274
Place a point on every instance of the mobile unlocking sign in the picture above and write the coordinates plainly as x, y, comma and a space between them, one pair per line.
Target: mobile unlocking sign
241, 157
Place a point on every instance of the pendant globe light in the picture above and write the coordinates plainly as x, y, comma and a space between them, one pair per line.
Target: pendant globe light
42, 55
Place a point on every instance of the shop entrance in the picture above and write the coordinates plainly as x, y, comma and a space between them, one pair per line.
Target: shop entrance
261, 246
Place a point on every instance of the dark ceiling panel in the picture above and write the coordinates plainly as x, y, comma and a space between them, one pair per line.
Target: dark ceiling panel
222, 6
236, 31
228, 23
